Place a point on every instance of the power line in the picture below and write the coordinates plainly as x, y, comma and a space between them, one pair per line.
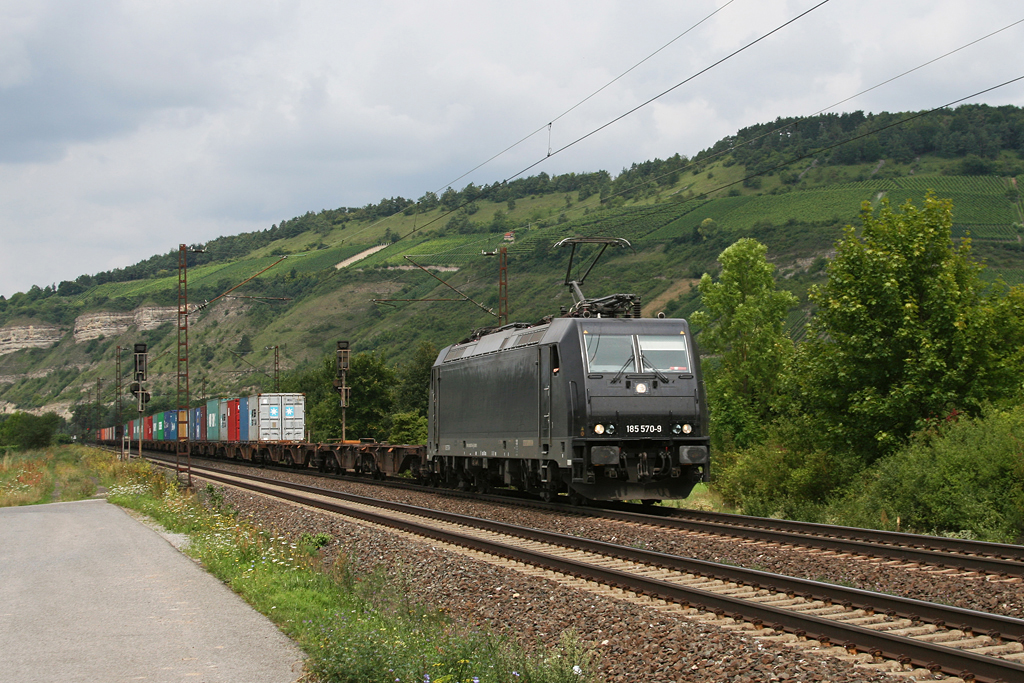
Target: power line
777, 129
581, 102
674, 87
868, 133
548, 125
624, 115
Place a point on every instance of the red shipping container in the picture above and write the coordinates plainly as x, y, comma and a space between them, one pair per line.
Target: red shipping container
233, 420
147, 429
202, 424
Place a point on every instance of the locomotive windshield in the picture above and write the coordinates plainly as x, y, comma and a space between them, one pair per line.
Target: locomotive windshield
618, 353
664, 352
610, 352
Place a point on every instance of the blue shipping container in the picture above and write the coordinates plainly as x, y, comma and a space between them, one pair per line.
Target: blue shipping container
243, 419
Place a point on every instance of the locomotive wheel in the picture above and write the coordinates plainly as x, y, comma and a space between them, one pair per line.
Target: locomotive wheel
578, 499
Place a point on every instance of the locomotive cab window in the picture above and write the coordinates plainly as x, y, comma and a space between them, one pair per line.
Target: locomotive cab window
666, 353
610, 352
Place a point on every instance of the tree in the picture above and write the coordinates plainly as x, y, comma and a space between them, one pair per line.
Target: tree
742, 321
413, 387
904, 331
708, 228
372, 381
408, 428
25, 431
244, 344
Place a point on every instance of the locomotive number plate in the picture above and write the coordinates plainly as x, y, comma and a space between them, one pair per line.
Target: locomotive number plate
643, 429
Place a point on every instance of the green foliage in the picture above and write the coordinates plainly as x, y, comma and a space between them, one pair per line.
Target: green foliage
903, 332
408, 428
770, 479
742, 321
964, 476
372, 382
25, 431
413, 388
315, 541
244, 344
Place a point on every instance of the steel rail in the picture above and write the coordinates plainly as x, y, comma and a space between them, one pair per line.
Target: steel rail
992, 558
952, 661
940, 543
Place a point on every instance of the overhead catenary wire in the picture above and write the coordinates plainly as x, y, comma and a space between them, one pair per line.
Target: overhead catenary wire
445, 214
665, 92
864, 135
580, 103
777, 129
549, 124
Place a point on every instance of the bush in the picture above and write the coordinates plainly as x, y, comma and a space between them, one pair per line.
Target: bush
772, 480
962, 477
408, 428
25, 430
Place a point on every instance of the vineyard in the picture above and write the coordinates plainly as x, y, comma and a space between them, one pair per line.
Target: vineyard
982, 207
1011, 276
963, 184
968, 209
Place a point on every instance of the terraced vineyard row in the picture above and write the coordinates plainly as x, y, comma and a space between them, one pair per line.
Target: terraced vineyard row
961, 184
967, 208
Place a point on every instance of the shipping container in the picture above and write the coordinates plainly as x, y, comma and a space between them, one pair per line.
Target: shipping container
158, 427
148, 428
212, 420
197, 424
243, 419
222, 418
233, 419
280, 417
170, 425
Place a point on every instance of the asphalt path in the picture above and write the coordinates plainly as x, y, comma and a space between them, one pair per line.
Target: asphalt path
87, 593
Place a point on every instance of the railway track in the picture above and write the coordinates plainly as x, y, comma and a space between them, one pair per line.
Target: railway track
865, 625
994, 559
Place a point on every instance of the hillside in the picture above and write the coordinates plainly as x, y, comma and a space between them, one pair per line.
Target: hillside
56, 344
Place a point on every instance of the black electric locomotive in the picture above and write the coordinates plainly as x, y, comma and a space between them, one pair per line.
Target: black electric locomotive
599, 403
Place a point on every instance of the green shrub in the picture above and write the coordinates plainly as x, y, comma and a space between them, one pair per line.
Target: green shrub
772, 480
963, 477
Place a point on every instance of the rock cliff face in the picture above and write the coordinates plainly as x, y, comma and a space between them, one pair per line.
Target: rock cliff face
113, 323
20, 337
87, 326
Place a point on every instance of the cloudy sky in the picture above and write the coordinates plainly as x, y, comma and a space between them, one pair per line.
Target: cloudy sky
130, 126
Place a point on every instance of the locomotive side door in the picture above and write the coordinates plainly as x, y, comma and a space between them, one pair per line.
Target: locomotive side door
545, 399
435, 391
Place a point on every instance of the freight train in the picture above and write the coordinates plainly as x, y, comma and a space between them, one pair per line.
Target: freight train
599, 404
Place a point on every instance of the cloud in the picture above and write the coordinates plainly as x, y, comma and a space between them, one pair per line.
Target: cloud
127, 128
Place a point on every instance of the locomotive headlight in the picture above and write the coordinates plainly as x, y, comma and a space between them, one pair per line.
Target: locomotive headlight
641, 388
687, 429
611, 429
599, 429
677, 429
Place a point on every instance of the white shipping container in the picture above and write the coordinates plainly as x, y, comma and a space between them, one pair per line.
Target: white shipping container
280, 417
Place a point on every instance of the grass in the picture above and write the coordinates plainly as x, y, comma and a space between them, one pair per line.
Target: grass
701, 498
353, 627
48, 476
